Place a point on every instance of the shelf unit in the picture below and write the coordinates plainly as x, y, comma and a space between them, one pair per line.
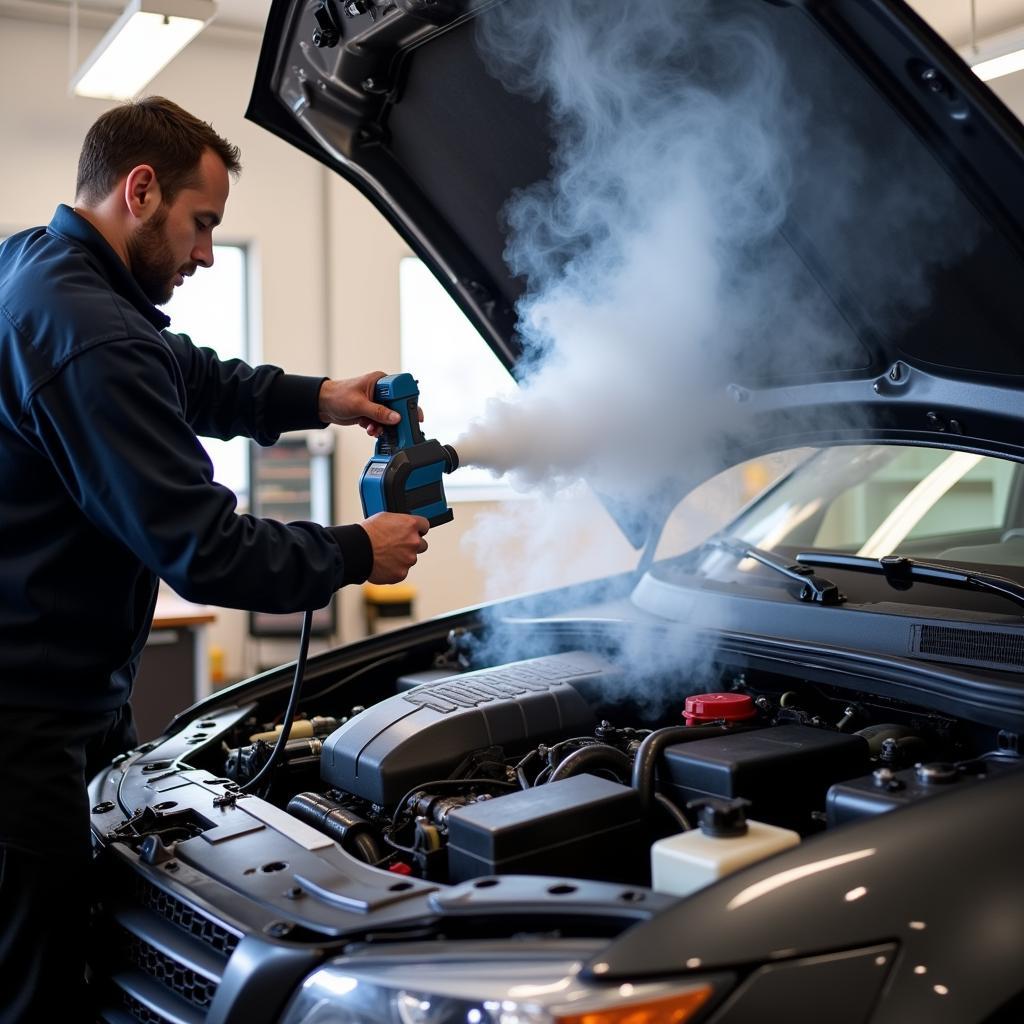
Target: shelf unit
293, 480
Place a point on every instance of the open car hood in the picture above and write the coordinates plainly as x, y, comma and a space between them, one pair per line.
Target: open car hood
904, 223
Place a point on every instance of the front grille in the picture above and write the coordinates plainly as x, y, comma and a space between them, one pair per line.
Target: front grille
161, 958
140, 1011
181, 914
191, 986
981, 647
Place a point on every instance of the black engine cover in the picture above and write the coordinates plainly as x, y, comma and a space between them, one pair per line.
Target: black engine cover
419, 736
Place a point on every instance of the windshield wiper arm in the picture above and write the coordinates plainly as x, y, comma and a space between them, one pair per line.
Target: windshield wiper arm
812, 588
901, 573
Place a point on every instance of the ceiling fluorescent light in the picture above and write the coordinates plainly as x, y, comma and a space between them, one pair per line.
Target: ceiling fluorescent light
997, 55
999, 66
147, 36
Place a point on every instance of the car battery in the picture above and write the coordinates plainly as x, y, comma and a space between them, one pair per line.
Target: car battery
585, 826
784, 770
886, 790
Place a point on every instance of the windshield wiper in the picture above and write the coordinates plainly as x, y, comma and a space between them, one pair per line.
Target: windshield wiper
902, 573
812, 588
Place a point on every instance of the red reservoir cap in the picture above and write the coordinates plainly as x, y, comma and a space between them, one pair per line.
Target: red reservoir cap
712, 707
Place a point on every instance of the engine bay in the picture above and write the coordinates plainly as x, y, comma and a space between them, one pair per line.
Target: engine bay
542, 766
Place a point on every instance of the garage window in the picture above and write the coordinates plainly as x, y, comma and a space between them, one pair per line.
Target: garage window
212, 309
457, 373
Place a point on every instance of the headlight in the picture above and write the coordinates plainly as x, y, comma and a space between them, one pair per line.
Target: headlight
437, 989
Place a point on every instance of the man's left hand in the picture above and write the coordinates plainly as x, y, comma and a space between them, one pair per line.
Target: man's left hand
348, 402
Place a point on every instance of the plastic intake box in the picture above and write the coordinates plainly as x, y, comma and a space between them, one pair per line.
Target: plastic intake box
419, 736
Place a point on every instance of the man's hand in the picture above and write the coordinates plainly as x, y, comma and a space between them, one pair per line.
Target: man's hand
396, 540
350, 401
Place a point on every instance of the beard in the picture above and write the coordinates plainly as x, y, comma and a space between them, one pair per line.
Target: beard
152, 263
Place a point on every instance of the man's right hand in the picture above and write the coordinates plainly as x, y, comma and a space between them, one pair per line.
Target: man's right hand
396, 540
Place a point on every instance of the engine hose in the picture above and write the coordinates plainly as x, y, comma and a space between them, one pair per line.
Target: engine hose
342, 825
673, 812
524, 782
588, 759
252, 786
366, 848
653, 744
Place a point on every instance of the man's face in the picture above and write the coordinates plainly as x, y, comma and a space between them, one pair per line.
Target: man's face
178, 237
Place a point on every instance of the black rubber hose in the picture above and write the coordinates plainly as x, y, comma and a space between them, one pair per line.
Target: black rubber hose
592, 758
652, 746
366, 848
673, 812
342, 825
289, 713
524, 782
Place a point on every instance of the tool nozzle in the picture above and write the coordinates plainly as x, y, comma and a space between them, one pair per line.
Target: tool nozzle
451, 458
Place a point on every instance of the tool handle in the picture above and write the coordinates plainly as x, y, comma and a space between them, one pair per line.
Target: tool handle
399, 392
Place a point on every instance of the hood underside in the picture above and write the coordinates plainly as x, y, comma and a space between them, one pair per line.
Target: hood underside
903, 226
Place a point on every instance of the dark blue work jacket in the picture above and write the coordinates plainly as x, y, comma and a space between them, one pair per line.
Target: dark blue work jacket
104, 486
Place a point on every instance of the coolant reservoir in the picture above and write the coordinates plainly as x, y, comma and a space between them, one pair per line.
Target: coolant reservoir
724, 841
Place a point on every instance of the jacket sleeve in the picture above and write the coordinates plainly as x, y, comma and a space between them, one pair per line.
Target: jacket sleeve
112, 426
227, 398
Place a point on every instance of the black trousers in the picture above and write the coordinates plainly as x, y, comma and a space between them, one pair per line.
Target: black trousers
46, 758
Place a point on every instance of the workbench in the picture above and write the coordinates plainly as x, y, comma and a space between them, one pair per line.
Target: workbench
175, 670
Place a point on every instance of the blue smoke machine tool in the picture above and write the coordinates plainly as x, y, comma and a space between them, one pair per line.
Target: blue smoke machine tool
404, 472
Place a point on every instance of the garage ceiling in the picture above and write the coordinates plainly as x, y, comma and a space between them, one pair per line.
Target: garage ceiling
951, 18
247, 16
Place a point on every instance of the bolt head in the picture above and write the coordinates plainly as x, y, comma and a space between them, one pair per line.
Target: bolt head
936, 774
933, 81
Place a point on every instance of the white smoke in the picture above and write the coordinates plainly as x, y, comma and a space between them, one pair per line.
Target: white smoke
656, 257
672, 164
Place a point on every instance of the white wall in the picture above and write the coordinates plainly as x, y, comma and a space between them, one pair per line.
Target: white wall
1010, 89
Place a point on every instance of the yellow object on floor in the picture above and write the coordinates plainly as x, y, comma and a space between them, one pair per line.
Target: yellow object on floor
388, 606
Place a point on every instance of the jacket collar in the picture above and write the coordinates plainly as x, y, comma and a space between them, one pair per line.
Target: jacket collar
70, 225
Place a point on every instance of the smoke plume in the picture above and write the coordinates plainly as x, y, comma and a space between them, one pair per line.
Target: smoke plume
668, 169
704, 153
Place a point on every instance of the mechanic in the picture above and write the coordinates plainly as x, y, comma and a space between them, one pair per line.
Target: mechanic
104, 488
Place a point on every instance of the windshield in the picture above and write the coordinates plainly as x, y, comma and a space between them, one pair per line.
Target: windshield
874, 500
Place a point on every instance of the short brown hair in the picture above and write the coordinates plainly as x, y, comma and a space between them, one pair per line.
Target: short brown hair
151, 131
